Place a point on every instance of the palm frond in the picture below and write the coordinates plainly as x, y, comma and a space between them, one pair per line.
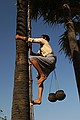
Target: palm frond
51, 10
64, 45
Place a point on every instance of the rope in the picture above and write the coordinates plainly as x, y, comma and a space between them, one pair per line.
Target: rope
56, 81
51, 83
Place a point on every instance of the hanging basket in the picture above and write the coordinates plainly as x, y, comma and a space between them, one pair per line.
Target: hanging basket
60, 95
52, 97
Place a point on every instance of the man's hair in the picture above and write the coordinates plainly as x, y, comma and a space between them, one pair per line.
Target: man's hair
47, 37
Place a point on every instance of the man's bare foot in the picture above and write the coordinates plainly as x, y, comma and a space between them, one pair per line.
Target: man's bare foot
20, 37
35, 102
41, 80
38, 76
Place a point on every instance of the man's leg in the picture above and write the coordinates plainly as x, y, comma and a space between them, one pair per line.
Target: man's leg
42, 75
39, 99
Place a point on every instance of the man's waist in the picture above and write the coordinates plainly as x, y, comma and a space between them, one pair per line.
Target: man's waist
48, 54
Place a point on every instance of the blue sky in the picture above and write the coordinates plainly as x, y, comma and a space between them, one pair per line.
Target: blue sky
67, 109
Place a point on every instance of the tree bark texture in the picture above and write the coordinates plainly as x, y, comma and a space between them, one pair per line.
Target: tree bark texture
20, 104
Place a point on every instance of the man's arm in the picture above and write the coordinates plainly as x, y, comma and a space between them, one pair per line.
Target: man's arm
21, 37
32, 40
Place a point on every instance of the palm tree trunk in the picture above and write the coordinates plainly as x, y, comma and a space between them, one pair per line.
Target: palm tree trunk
76, 64
20, 104
75, 53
